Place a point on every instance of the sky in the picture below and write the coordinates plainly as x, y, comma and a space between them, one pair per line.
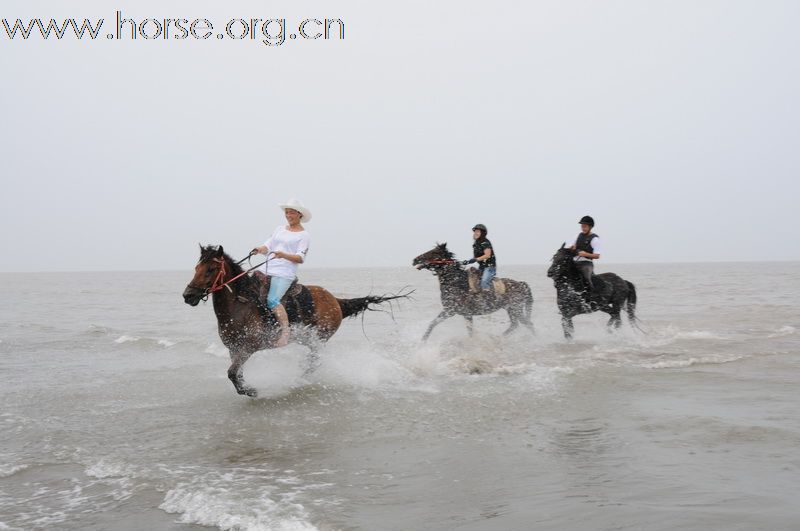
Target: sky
674, 124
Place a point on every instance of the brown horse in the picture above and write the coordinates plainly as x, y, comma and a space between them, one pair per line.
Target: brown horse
517, 299
246, 325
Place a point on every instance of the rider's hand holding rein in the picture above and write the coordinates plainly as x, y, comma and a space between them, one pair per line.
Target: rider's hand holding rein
296, 258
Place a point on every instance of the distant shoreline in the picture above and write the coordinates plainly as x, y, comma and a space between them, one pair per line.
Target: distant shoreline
341, 268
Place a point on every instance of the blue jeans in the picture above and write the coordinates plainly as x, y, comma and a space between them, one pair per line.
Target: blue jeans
277, 289
486, 278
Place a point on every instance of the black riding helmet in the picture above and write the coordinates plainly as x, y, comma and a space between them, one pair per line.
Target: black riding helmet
588, 220
481, 227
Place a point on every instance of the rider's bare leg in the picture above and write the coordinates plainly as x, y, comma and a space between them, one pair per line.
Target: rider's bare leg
280, 313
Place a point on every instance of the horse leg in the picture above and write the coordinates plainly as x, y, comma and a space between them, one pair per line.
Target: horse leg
238, 359
312, 361
528, 324
526, 320
616, 320
567, 326
514, 316
444, 314
470, 325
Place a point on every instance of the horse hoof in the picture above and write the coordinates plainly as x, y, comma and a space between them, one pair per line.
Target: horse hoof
249, 391
311, 366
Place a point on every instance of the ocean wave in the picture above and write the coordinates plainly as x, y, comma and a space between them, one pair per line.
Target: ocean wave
217, 350
699, 334
219, 500
97, 330
783, 331
146, 341
9, 470
107, 469
126, 339
59, 494
688, 362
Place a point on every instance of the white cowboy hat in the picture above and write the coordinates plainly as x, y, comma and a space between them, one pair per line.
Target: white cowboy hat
294, 204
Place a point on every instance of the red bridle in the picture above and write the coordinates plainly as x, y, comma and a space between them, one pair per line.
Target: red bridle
219, 283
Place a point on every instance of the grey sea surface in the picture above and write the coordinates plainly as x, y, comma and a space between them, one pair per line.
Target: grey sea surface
117, 412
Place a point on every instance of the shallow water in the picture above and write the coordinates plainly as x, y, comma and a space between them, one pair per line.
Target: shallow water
117, 412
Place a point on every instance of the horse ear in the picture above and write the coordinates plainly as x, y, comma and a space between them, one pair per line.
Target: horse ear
220, 252
201, 247
563, 245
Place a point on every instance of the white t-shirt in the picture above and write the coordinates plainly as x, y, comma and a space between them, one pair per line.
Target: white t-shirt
290, 243
595, 245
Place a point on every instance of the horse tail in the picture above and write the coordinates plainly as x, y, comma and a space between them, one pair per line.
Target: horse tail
528, 302
353, 307
630, 306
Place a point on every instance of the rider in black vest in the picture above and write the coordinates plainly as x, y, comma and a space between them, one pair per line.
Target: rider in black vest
483, 253
587, 245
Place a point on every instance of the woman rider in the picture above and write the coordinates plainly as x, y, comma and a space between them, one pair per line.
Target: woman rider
288, 246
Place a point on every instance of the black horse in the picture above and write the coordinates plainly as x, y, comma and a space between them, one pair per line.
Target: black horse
612, 293
457, 298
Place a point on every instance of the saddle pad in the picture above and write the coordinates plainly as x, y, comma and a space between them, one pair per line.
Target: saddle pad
473, 279
499, 286
299, 304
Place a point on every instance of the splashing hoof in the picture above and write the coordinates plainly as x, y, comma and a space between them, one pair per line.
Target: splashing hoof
312, 364
249, 391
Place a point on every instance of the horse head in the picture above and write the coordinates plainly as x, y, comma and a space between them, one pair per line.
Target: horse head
560, 261
434, 259
209, 271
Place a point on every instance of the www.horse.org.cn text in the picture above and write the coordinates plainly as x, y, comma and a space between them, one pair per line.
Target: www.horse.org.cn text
268, 31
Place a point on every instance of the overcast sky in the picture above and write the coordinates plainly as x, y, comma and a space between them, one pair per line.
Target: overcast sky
674, 124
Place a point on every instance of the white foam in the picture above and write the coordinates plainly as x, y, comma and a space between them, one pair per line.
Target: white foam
217, 349
126, 339
107, 469
223, 507
166, 343
682, 363
784, 331
9, 470
698, 334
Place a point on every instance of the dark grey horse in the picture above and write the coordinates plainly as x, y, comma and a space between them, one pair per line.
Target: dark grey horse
612, 293
457, 299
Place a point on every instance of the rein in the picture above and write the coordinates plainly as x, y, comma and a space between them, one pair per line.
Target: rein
443, 261
218, 283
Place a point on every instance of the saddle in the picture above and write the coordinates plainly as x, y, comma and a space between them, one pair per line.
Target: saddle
599, 284
474, 281
297, 300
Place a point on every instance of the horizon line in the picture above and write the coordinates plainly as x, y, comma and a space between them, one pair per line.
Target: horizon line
396, 267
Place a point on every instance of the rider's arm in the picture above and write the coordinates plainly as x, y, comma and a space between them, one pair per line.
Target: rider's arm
296, 258
485, 256
596, 247
302, 249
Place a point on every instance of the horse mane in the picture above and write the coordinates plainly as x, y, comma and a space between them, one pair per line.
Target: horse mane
212, 251
443, 247
246, 284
